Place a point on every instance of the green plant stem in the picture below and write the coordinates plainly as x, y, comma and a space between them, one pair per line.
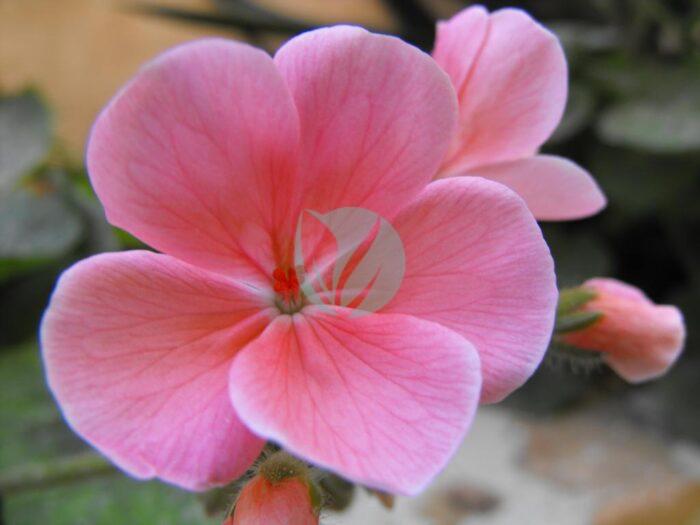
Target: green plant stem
64, 470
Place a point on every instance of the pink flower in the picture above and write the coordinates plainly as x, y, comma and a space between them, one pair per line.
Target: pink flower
181, 365
510, 75
639, 339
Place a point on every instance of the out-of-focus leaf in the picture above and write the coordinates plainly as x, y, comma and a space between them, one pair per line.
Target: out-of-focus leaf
668, 126
581, 36
23, 299
628, 78
36, 226
44, 474
638, 184
579, 112
31, 428
242, 17
25, 136
107, 501
98, 235
32, 431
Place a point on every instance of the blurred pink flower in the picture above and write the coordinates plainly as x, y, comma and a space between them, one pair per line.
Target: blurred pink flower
510, 75
639, 339
180, 365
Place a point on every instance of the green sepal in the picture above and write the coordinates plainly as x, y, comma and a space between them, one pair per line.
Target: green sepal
574, 321
315, 496
571, 299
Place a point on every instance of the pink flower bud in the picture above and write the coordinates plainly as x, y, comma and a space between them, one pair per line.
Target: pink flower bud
280, 494
639, 339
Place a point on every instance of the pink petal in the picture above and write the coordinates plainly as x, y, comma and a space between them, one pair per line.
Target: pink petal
197, 157
554, 188
137, 348
510, 75
376, 116
476, 263
614, 287
383, 400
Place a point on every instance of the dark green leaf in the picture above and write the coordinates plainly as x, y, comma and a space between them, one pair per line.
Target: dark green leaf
669, 126
25, 136
36, 226
107, 501
639, 184
580, 36
31, 428
627, 78
32, 432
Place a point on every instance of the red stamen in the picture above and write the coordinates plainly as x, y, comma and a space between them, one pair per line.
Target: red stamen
286, 283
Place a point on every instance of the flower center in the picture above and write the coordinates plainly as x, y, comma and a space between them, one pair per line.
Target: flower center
286, 285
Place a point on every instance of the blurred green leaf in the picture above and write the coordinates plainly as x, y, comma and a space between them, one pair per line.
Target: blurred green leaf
25, 136
36, 226
582, 36
578, 114
668, 126
638, 184
629, 78
32, 431
114, 500
98, 236
31, 428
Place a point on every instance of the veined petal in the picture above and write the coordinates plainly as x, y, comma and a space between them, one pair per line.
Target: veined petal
510, 75
196, 156
476, 263
137, 348
383, 400
553, 188
377, 116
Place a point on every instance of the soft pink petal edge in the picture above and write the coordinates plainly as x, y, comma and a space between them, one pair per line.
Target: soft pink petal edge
511, 78
197, 157
383, 400
476, 262
554, 188
136, 348
377, 116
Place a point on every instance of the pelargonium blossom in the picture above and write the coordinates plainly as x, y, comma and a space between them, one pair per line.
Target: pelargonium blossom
510, 75
181, 364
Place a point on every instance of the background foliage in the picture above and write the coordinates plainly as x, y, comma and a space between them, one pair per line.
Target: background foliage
633, 120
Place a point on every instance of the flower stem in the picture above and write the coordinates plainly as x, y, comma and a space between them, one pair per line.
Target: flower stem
46, 474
